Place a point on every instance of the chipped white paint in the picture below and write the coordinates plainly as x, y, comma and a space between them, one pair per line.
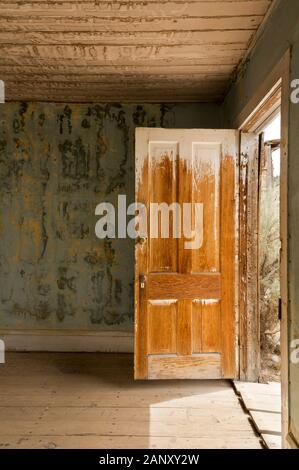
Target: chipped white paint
163, 302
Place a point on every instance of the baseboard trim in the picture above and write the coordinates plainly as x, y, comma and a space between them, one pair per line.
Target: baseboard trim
62, 341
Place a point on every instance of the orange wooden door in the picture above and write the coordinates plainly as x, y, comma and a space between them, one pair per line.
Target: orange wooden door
185, 293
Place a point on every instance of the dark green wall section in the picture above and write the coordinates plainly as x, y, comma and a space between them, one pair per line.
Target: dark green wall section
57, 162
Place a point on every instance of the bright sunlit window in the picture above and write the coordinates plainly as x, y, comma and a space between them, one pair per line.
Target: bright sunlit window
272, 132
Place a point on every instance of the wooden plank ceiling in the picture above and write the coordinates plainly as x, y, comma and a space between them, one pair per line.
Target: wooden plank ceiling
124, 50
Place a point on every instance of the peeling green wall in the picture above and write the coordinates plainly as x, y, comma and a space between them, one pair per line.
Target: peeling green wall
57, 162
280, 33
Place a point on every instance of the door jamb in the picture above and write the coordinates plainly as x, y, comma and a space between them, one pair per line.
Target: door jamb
280, 75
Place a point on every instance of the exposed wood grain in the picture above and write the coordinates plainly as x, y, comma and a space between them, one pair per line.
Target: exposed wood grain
42, 70
272, 441
267, 423
248, 261
157, 38
141, 262
189, 279
64, 395
206, 189
123, 442
259, 389
68, 97
265, 110
243, 189
162, 328
142, 9
116, 75
211, 327
114, 422
185, 367
91, 401
184, 286
263, 403
121, 53
227, 250
185, 194
163, 164
260, 397
268, 403
64, 34
37, 28
184, 328
127, 64
139, 85
196, 327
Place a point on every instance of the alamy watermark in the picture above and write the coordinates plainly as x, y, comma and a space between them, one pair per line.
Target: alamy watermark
161, 220
294, 345
294, 353
295, 92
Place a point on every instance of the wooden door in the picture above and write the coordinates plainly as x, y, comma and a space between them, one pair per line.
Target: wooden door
185, 294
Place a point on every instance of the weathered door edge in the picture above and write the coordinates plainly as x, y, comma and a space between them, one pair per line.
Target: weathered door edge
141, 187
249, 327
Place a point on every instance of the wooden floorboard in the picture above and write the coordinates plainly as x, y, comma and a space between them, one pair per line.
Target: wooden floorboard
267, 423
62, 400
263, 403
259, 389
272, 442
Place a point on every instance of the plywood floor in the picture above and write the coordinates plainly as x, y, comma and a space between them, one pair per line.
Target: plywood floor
54, 400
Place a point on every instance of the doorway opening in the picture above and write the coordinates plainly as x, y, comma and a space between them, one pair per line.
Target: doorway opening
262, 201
264, 261
269, 250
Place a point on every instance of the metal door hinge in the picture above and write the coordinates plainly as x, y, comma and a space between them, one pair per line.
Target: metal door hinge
279, 309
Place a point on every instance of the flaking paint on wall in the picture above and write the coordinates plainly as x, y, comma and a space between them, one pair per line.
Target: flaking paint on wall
57, 162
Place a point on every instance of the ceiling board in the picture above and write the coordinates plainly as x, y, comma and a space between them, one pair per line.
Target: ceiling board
145, 50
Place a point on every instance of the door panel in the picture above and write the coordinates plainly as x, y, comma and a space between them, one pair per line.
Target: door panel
162, 326
200, 366
206, 189
211, 326
185, 271
163, 188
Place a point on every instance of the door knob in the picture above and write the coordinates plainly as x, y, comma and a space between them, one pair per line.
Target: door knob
140, 240
142, 280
